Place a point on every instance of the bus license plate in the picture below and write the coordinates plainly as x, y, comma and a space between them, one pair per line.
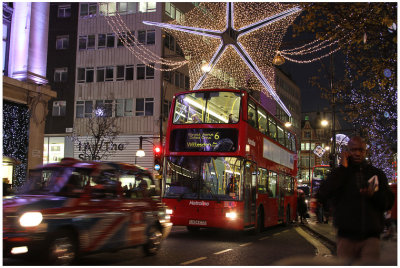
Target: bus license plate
197, 222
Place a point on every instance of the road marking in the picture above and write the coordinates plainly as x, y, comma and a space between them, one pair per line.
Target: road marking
285, 231
277, 234
263, 238
243, 245
321, 249
192, 261
222, 251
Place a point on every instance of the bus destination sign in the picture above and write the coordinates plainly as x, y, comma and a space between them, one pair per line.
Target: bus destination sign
204, 140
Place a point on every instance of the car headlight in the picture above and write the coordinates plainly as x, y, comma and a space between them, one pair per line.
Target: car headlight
168, 211
231, 215
30, 219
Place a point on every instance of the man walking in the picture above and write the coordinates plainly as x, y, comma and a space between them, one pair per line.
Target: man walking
359, 194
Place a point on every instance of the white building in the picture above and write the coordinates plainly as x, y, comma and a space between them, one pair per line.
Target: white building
110, 75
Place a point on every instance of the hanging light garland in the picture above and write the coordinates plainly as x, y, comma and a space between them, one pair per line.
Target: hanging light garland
145, 55
227, 37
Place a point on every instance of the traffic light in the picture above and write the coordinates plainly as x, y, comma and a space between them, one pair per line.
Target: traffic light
157, 151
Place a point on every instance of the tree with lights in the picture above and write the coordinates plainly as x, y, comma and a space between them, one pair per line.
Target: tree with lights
16, 137
97, 141
366, 34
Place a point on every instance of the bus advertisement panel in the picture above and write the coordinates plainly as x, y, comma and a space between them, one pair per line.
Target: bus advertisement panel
223, 170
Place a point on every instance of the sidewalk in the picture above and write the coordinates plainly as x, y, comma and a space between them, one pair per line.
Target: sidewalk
328, 232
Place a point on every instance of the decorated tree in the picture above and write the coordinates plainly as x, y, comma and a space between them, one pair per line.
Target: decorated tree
16, 137
96, 141
366, 34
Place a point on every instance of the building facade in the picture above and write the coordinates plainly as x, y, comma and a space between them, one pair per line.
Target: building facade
92, 68
61, 73
316, 143
25, 89
290, 95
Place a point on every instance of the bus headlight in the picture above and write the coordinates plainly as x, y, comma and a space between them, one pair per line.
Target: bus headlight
231, 215
30, 219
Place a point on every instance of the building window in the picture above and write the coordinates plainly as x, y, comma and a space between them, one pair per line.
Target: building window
174, 12
150, 71
85, 75
130, 38
120, 72
105, 74
129, 72
144, 72
88, 9
103, 108
110, 40
62, 42
124, 107
100, 74
140, 71
108, 9
307, 134
151, 37
144, 107
84, 109
61, 74
64, 11
169, 41
147, 37
101, 41
147, 6
126, 8
110, 73
59, 108
87, 42
121, 39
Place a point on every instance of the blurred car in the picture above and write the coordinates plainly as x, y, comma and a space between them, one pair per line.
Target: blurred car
72, 208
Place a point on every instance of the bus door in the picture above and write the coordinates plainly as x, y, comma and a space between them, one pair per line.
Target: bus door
250, 184
281, 196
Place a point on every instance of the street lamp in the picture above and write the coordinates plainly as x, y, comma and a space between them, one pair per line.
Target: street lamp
140, 152
324, 123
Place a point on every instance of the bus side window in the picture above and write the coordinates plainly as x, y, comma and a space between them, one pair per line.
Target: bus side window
262, 121
272, 184
272, 127
251, 114
281, 136
262, 181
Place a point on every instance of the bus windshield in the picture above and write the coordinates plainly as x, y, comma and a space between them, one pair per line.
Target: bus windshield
207, 178
319, 174
207, 107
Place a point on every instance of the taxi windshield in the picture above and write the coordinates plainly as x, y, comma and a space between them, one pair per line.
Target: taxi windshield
47, 181
221, 107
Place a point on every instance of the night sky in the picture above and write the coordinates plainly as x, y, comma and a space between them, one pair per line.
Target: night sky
301, 73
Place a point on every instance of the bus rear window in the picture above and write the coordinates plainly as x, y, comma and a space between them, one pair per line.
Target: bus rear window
207, 107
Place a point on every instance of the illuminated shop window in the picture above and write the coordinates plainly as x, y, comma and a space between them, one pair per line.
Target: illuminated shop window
53, 149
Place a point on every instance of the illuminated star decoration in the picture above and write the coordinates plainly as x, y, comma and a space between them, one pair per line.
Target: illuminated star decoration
229, 38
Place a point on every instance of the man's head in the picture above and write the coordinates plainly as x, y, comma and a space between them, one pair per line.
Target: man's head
357, 149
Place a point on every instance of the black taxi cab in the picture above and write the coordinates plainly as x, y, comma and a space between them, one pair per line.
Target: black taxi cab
72, 208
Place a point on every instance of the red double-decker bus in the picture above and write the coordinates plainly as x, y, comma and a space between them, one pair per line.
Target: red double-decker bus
228, 163
319, 174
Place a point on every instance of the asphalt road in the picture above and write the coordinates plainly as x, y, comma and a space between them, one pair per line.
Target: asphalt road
212, 247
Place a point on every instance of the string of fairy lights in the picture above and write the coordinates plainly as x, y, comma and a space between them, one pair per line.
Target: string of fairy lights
230, 71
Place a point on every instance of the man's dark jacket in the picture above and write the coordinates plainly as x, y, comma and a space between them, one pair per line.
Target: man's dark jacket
355, 215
